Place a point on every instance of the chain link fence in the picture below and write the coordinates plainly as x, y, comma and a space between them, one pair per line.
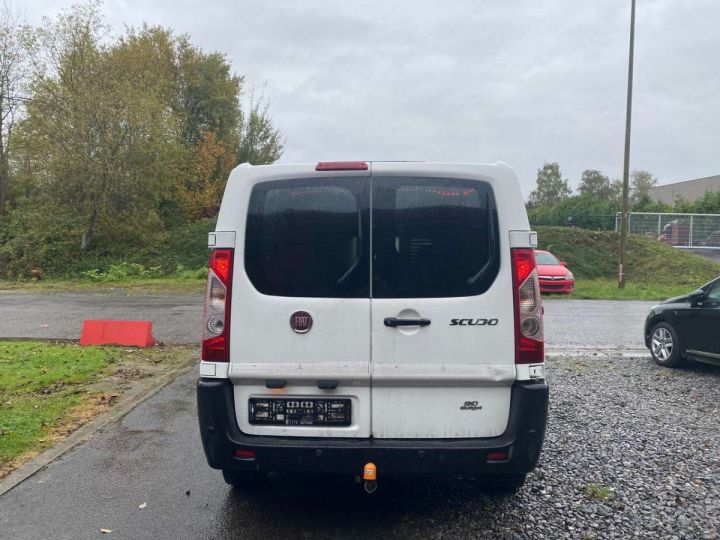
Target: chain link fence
696, 231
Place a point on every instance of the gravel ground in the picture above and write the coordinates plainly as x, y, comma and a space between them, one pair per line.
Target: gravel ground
632, 450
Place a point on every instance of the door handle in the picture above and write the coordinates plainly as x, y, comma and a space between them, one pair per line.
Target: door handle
394, 322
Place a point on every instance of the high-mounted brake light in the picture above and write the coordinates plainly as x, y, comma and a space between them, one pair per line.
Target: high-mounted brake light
341, 166
529, 336
216, 330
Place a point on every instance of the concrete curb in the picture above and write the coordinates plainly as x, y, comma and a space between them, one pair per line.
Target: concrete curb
127, 403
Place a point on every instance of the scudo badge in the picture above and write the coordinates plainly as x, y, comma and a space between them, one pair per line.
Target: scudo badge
301, 322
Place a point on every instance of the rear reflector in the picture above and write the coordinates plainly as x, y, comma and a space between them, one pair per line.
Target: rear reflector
497, 456
341, 166
245, 454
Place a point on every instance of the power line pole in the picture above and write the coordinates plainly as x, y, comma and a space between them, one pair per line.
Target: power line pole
626, 165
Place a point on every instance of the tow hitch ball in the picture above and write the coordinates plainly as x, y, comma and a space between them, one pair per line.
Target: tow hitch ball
370, 478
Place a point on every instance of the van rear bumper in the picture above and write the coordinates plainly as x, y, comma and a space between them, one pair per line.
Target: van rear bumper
522, 440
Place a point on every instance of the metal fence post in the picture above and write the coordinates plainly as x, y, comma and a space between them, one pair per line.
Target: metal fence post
659, 224
690, 240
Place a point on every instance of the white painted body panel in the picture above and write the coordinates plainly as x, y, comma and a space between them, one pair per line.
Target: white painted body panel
402, 382
262, 343
457, 363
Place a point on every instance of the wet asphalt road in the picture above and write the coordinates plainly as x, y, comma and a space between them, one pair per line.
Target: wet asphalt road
176, 318
569, 324
154, 456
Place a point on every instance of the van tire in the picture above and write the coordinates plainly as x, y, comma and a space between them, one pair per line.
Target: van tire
245, 480
502, 483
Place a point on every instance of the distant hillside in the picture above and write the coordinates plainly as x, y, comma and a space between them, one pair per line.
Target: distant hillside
594, 254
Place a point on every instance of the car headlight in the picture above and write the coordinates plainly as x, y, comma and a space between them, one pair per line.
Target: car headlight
569, 275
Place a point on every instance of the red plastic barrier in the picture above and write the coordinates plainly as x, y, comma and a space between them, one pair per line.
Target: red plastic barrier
103, 332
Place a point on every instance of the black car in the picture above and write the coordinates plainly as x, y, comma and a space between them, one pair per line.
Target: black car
686, 327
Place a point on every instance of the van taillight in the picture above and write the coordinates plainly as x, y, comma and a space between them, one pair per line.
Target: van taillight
529, 339
216, 330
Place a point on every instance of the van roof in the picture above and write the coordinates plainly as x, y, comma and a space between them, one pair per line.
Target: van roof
500, 176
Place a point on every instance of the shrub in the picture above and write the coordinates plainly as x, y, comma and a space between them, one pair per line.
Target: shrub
125, 271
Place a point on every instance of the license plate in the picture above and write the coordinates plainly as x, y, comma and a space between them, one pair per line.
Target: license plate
299, 412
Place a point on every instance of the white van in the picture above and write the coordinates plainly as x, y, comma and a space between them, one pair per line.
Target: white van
376, 318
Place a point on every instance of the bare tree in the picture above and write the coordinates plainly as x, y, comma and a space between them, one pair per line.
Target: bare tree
14, 71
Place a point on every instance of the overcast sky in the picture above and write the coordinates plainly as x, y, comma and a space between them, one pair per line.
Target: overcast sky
519, 81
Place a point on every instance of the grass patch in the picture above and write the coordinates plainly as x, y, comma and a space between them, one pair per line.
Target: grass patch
132, 278
594, 255
607, 289
48, 390
654, 270
184, 283
598, 492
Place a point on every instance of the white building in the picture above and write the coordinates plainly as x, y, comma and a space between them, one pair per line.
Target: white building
690, 190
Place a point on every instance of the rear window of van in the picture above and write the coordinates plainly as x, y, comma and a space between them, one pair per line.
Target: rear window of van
431, 237
309, 238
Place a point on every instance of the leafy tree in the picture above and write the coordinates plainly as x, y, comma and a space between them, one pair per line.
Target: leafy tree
198, 190
104, 142
709, 203
640, 184
120, 138
551, 187
646, 204
207, 94
586, 211
208, 106
595, 184
260, 141
14, 71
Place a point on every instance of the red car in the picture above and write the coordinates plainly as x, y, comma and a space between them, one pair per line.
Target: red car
553, 273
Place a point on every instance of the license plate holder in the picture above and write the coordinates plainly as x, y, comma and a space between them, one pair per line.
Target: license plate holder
300, 411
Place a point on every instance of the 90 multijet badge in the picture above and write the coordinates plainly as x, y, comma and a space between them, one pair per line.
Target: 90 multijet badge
473, 322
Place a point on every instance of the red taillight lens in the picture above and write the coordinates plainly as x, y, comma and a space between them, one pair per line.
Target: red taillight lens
529, 338
216, 330
341, 166
221, 263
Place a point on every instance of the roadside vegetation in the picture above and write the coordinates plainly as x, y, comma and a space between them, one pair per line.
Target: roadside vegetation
597, 199
47, 390
178, 266
579, 227
607, 289
115, 147
654, 270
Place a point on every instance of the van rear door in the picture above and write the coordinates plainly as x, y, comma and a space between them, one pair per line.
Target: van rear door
300, 301
443, 356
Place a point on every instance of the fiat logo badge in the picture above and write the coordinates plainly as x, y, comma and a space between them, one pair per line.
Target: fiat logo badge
301, 322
